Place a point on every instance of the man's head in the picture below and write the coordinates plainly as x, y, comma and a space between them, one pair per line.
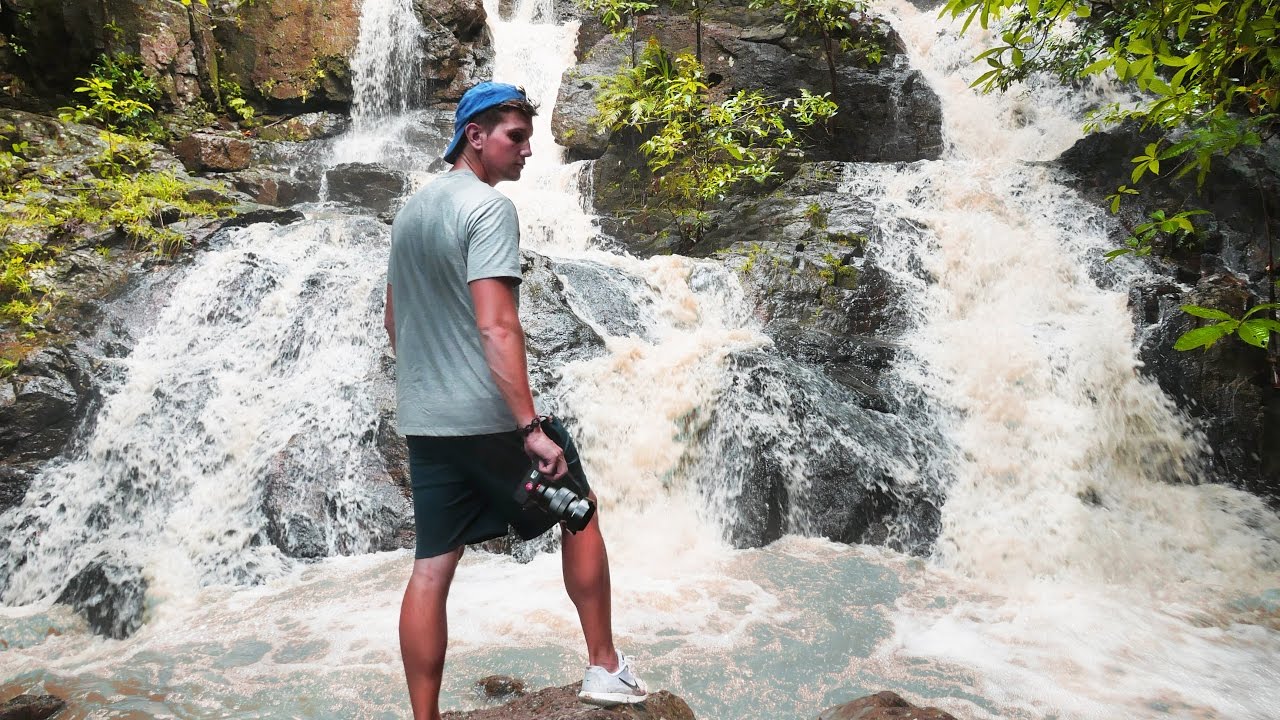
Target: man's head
491, 131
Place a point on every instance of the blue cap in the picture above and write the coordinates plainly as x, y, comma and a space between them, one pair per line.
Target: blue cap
475, 101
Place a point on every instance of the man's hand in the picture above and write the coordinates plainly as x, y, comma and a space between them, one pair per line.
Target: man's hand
548, 455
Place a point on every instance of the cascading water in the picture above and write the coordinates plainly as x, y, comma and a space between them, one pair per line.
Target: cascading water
1071, 578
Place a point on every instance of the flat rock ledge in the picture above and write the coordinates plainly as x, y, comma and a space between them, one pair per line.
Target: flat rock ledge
562, 703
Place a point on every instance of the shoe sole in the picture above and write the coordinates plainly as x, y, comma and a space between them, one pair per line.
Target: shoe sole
607, 699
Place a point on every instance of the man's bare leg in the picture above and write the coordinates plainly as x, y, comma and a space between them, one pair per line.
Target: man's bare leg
424, 631
586, 577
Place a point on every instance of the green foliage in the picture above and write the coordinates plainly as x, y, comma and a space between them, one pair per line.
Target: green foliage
1254, 330
43, 206
1143, 237
696, 148
1208, 69
618, 16
816, 215
233, 98
119, 95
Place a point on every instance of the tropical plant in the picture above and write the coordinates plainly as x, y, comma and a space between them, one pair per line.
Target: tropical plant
1254, 330
119, 94
695, 148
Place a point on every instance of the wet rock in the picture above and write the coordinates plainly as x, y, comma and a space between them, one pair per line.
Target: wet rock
308, 126
368, 185
208, 152
554, 334
291, 53
110, 594
276, 187
14, 482
456, 47
883, 706
500, 686
576, 103
43, 403
32, 707
310, 516
816, 461
562, 703
248, 214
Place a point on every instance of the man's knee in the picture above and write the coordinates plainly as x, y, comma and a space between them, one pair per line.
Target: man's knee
436, 571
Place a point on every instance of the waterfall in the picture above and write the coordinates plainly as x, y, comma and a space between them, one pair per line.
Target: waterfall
387, 63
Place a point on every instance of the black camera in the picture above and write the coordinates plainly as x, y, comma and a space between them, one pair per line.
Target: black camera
562, 503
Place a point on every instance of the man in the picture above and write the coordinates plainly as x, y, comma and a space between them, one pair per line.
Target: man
464, 401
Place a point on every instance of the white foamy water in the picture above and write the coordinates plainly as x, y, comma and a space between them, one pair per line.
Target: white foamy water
1111, 584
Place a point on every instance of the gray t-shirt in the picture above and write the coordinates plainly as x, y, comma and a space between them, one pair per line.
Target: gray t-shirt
455, 230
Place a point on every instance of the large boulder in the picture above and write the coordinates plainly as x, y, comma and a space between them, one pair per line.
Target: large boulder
43, 403
111, 595
213, 152
887, 111
368, 185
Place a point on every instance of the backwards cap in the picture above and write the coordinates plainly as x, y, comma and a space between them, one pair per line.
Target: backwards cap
475, 101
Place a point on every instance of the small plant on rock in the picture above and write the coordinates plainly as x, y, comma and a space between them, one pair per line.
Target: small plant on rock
697, 149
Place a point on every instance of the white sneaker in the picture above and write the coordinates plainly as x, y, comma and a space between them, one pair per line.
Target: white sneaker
604, 688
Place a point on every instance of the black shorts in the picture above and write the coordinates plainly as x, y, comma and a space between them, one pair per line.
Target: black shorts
463, 487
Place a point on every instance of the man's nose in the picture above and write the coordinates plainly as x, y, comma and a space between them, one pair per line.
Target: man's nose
527, 149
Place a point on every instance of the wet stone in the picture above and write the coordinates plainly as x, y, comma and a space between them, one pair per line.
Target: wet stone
500, 686
31, 707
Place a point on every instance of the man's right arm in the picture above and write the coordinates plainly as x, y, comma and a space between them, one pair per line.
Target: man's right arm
502, 339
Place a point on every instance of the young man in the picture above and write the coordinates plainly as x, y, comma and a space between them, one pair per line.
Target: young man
464, 401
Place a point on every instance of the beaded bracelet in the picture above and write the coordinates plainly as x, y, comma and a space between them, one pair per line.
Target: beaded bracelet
534, 424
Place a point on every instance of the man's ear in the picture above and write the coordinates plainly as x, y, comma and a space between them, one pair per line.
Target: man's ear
474, 135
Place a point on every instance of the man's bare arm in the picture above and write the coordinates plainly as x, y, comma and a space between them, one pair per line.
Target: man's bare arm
502, 339
389, 320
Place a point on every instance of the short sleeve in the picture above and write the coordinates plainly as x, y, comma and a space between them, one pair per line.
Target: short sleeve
493, 241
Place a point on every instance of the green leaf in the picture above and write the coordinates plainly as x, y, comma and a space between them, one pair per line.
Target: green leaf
1207, 313
1254, 332
1117, 253
1261, 308
1200, 337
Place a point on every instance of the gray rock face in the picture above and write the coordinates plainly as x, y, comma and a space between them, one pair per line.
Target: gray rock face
110, 595
368, 185
887, 112
554, 335
305, 517
41, 406
824, 464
